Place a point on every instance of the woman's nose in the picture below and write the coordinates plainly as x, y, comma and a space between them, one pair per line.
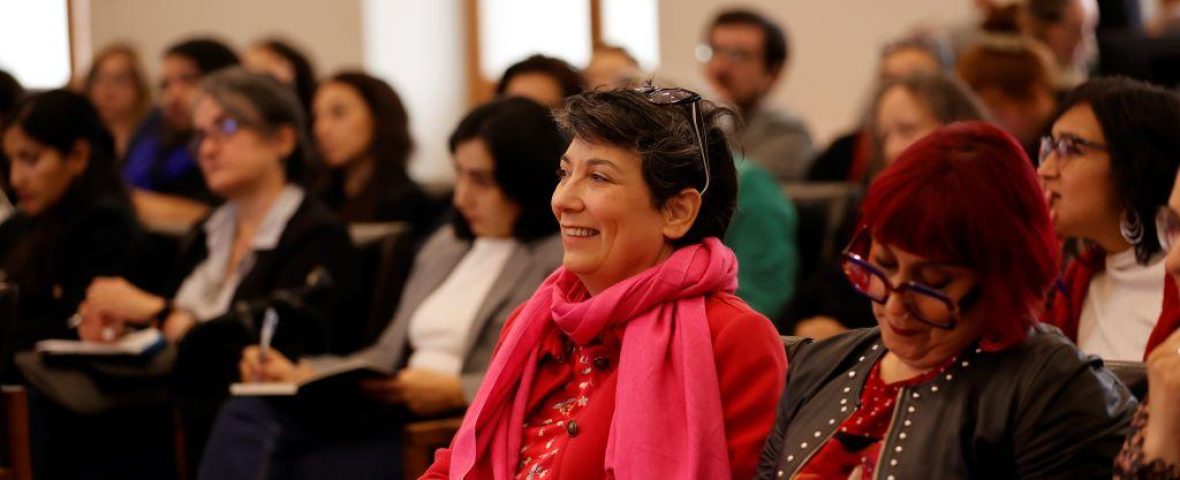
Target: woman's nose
462, 193
1044, 170
566, 197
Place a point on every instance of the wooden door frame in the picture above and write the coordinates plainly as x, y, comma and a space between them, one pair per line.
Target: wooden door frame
480, 89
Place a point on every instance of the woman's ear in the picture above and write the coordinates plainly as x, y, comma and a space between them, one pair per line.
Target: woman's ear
680, 213
78, 159
285, 140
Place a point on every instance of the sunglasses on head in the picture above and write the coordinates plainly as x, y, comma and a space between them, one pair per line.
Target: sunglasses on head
680, 96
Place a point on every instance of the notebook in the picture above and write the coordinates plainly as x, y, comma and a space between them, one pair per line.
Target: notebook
350, 371
137, 343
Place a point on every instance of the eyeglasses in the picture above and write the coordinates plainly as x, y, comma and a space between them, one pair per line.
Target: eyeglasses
1066, 148
221, 130
705, 52
680, 96
927, 304
1167, 227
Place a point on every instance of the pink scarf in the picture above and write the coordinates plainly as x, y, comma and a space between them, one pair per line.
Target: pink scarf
668, 422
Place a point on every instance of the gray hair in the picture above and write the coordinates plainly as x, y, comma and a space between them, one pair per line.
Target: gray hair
262, 103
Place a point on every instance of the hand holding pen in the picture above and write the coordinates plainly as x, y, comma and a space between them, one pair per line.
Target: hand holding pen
269, 321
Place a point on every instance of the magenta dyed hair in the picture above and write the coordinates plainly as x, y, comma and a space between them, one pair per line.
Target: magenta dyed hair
967, 195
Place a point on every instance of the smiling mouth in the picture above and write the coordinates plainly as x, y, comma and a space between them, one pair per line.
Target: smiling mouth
579, 232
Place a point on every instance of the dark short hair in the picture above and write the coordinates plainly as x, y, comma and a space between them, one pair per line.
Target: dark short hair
1139, 122
11, 93
392, 143
264, 104
1046, 11
664, 138
775, 48
209, 55
566, 76
58, 119
526, 146
305, 79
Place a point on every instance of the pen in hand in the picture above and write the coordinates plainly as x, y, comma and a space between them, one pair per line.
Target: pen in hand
269, 321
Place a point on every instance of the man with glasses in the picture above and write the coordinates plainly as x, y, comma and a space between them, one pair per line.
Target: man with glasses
744, 56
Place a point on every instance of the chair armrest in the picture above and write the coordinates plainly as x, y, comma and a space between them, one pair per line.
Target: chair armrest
421, 439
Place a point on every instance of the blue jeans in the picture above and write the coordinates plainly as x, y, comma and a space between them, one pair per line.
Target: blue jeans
279, 438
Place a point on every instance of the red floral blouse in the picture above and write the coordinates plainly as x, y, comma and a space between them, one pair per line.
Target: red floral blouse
580, 370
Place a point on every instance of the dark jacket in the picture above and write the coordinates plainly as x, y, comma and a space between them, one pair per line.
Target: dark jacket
328, 320
400, 201
1039, 409
53, 265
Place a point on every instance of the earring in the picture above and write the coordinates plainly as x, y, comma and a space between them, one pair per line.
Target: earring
1131, 227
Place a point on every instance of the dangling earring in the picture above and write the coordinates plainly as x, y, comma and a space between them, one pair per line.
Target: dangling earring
1130, 227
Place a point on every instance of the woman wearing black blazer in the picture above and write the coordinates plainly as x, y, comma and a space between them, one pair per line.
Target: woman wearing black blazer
73, 220
270, 245
465, 282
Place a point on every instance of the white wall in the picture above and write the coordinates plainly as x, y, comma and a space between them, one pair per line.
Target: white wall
834, 48
329, 32
418, 47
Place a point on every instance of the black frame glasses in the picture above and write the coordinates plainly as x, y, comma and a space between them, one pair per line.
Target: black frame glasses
680, 96
1066, 147
861, 274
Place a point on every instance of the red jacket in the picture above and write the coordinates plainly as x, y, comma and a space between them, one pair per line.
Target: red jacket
1065, 303
751, 370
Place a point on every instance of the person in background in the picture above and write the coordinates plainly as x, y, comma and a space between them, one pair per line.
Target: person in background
363, 135
1012, 74
847, 158
612, 67
955, 250
74, 223
1166, 21
546, 80
169, 192
1067, 27
466, 280
1107, 167
258, 250
11, 93
744, 57
118, 88
763, 236
903, 111
1152, 449
281, 60
74, 215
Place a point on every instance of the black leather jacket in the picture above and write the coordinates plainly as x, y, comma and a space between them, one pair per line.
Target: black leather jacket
1039, 409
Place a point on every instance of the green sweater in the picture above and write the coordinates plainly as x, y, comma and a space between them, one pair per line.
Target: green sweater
762, 235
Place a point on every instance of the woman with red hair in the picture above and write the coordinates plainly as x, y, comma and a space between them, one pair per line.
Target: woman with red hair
955, 250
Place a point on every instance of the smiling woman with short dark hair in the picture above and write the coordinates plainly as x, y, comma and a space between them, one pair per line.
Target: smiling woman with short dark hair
635, 359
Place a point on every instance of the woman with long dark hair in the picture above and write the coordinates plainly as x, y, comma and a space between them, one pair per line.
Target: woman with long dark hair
363, 135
